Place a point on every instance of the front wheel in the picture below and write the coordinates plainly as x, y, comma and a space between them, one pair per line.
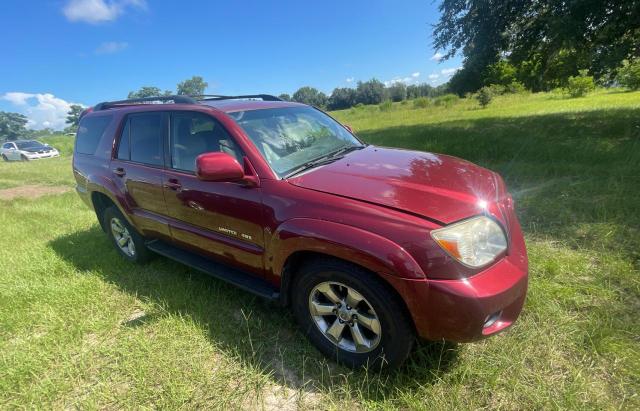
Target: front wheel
351, 316
125, 238
23, 158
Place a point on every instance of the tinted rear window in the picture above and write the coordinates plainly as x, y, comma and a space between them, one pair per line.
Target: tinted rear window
90, 131
145, 133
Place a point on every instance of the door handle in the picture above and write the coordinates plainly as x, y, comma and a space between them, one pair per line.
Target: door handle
119, 171
173, 184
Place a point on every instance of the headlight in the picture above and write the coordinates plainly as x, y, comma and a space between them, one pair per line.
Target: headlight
475, 242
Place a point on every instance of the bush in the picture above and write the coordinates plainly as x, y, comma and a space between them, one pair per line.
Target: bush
580, 85
629, 74
484, 96
496, 89
421, 102
359, 105
404, 102
385, 105
515, 87
446, 100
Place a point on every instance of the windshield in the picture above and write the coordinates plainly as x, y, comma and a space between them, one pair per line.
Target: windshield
292, 136
29, 144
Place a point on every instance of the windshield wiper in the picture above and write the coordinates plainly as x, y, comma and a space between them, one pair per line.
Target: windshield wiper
313, 163
345, 150
325, 159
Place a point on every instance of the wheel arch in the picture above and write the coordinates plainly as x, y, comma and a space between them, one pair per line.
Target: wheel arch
298, 259
101, 200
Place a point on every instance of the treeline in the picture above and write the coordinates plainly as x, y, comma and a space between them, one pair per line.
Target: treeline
539, 44
365, 92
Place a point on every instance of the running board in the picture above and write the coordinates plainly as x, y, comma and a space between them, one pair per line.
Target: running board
223, 272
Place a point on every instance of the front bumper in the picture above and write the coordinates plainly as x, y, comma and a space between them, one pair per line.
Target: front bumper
471, 308
38, 156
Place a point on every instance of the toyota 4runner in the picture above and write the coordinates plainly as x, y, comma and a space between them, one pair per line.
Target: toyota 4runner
370, 247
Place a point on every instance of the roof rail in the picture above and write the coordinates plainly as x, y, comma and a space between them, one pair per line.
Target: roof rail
144, 100
264, 97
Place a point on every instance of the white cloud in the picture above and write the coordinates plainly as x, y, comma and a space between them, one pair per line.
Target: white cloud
42, 109
349, 79
449, 71
413, 78
98, 11
433, 76
437, 57
110, 47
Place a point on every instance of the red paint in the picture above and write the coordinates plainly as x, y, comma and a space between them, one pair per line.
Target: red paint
374, 207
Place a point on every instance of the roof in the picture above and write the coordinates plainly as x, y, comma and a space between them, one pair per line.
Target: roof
227, 104
230, 106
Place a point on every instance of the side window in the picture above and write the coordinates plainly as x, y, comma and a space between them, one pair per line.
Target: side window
8, 146
123, 146
195, 133
90, 130
145, 138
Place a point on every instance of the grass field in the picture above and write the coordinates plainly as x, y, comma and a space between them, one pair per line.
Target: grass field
81, 328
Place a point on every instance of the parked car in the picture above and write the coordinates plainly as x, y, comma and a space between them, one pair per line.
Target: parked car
25, 150
370, 247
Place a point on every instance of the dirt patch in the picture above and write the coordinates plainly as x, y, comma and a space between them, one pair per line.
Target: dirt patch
31, 192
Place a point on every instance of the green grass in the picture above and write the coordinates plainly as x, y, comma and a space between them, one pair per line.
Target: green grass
81, 328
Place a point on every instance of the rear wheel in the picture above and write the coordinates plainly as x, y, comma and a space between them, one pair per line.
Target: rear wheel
5, 158
351, 316
125, 238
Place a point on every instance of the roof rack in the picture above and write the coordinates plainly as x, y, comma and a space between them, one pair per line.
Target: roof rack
145, 100
264, 97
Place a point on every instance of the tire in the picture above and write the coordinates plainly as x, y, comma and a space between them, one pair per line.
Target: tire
387, 349
136, 251
5, 158
23, 158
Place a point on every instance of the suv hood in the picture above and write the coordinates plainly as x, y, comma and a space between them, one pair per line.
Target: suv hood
439, 187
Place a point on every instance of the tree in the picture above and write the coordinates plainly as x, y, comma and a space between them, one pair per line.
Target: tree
148, 91
397, 91
285, 97
629, 75
370, 92
73, 116
342, 98
547, 41
12, 125
501, 72
311, 96
421, 90
195, 86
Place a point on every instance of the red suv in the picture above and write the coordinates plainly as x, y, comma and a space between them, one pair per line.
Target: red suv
369, 246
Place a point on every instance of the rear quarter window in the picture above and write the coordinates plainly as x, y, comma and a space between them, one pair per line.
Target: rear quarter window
90, 130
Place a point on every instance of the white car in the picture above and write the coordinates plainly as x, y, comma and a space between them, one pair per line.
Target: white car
25, 150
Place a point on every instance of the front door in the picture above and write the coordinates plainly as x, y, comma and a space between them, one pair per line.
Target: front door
222, 220
138, 170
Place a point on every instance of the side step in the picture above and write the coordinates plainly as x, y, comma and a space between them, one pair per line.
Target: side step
223, 272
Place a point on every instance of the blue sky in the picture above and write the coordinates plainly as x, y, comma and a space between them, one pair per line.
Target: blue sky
86, 51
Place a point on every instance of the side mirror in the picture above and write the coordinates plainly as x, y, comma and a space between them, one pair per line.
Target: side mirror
348, 127
218, 166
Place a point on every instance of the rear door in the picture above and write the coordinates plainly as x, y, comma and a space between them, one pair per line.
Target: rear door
220, 219
137, 169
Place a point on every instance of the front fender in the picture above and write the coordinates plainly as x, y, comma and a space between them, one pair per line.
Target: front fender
367, 249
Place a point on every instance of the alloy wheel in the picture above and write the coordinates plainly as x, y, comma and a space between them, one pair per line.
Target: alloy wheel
344, 317
123, 238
